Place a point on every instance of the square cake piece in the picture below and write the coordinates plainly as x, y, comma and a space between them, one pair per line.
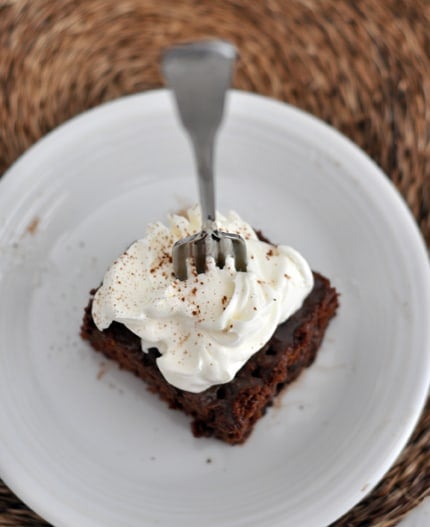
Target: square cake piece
229, 411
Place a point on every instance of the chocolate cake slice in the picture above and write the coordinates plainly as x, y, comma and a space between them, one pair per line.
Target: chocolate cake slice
229, 411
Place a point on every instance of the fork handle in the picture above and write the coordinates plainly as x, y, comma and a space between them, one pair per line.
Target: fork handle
199, 74
204, 155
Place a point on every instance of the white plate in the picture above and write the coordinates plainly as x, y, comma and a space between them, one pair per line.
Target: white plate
85, 444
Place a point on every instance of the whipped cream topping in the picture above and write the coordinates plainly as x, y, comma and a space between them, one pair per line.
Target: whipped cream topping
209, 325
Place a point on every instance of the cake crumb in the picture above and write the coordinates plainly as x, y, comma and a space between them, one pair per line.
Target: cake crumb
33, 225
102, 370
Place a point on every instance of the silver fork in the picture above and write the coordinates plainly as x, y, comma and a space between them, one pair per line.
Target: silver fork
199, 74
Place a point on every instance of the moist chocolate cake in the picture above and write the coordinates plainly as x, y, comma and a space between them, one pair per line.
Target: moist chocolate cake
229, 411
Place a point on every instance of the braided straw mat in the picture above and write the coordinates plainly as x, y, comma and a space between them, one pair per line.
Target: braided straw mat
363, 66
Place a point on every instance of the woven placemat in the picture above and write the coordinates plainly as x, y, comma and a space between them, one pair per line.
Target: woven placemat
363, 66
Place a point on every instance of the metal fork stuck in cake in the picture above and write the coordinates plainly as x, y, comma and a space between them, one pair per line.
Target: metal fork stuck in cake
199, 75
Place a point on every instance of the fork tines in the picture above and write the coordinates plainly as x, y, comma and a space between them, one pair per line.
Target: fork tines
208, 244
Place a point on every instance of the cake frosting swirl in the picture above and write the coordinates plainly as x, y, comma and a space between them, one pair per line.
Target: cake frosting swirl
209, 325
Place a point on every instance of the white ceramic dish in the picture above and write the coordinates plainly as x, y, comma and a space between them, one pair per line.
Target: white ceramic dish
84, 443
